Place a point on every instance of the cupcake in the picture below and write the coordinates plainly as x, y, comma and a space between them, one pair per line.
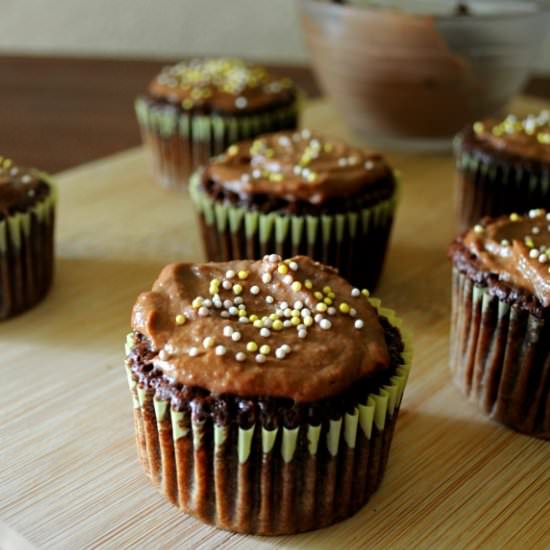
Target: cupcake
503, 167
265, 392
27, 200
194, 110
296, 193
500, 329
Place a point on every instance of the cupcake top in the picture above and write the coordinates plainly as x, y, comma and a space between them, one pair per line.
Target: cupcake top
517, 249
20, 188
297, 166
292, 329
226, 85
527, 137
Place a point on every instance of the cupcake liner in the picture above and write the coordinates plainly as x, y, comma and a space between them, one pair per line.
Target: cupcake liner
179, 142
26, 256
263, 481
354, 242
492, 187
500, 357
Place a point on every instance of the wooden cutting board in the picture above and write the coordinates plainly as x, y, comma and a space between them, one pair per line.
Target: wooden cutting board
69, 475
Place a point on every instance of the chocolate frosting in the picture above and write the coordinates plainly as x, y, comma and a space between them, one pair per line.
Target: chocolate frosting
517, 249
297, 166
20, 188
226, 85
191, 318
528, 137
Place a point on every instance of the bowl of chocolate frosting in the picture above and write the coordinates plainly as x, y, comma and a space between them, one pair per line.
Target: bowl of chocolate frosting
409, 75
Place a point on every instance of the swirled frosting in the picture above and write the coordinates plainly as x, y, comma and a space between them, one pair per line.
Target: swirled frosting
227, 85
527, 137
19, 187
293, 329
517, 248
297, 166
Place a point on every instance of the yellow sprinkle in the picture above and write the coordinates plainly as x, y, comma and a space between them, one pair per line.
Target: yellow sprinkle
308, 321
478, 127
237, 289
529, 242
196, 303
251, 346
258, 324
344, 308
331, 295
253, 317
277, 325
233, 150
296, 286
282, 269
295, 321
273, 316
318, 295
365, 292
514, 217
295, 313
328, 301
180, 319
321, 307
242, 275
308, 284
265, 349
327, 289
242, 312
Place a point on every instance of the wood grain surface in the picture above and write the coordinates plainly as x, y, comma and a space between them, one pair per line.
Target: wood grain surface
70, 477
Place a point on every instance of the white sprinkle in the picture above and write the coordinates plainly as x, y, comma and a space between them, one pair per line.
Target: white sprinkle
288, 279
353, 312
286, 348
297, 170
227, 284
287, 312
243, 320
242, 307
229, 274
220, 350
535, 212
240, 356
369, 165
269, 299
193, 352
227, 331
217, 303
236, 336
543, 258
283, 305
260, 358
257, 174
245, 178
224, 314
302, 333
287, 323
359, 324
208, 342
266, 278
325, 324
241, 102
227, 304
318, 317
535, 230
207, 303
306, 134
163, 355
26, 178
268, 322
504, 242
233, 310
355, 292
300, 327
203, 311
238, 300
298, 304
548, 217
279, 353
273, 258
331, 310
342, 162
305, 312
255, 290
265, 332
534, 253
294, 266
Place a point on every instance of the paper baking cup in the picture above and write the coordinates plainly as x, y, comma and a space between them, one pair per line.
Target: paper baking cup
270, 482
500, 358
489, 187
354, 242
180, 142
26, 257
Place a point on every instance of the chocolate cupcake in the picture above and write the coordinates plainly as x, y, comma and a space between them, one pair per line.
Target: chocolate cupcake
500, 330
194, 110
298, 193
27, 200
503, 167
265, 393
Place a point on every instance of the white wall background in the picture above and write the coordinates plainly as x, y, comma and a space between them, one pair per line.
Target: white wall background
265, 29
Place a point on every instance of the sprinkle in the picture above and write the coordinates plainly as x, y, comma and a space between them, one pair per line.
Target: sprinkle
355, 292
163, 355
227, 284
273, 258
242, 312
220, 350
237, 289
294, 266
243, 275
207, 303
308, 321
224, 314
478, 127
193, 352
534, 253
240, 356
208, 342
543, 258
239, 301
229, 274
203, 312
251, 346
266, 278
529, 242
279, 353
535, 213
325, 324
535, 230
227, 304
243, 320
258, 323
180, 319
277, 325
344, 308
359, 324
478, 229
241, 102
282, 269
353, 312
331, 310
265, 332
287, 323
327, 301
197, 302
365, 293
514, 217
308, 284
269, 299
318, 317
255, 290
287, 312
318, 295
227, 331
321, 307
504, 243
302, 333
236, 336
298, 304
288, 279
233, 310
327, 289
305, 312
283, 305
265, 349
260, 358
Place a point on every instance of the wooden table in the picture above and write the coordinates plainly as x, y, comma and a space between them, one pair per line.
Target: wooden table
70, 477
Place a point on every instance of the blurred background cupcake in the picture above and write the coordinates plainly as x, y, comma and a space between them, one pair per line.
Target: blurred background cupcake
273, 420
27, 201
500, 328
503, 167
298, 193
196, 109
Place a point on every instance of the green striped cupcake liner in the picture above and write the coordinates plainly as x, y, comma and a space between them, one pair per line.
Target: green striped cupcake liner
269, 482
179, 141
353, 242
